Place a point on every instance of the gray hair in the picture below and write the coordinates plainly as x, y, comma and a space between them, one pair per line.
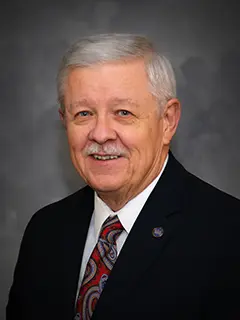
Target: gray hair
104, 48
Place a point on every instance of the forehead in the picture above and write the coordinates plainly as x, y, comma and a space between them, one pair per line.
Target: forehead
124, 80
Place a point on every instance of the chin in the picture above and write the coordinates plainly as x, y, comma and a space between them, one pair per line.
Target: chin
104, 185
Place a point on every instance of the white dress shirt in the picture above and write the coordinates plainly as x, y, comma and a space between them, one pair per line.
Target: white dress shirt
127, 216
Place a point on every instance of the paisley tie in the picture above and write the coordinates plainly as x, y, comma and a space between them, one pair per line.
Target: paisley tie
98, 268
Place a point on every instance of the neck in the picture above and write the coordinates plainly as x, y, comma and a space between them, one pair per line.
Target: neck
117, 199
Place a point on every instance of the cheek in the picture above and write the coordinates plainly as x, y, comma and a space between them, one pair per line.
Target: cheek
139, 137
130, 140
144, 145
76, 139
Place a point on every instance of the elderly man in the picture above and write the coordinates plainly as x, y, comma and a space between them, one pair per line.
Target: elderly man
145, 239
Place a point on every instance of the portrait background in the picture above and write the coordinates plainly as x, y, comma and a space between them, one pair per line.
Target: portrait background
200, 37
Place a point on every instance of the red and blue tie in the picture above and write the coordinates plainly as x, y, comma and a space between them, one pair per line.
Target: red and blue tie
98, 268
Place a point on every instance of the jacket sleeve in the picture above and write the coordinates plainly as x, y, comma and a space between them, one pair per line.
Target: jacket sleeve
18, 305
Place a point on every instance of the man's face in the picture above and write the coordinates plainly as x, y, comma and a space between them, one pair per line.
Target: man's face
110, 112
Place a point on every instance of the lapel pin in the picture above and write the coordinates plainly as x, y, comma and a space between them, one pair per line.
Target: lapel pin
157, 232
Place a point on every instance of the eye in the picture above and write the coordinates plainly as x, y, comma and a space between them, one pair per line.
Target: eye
83, 113
124, 113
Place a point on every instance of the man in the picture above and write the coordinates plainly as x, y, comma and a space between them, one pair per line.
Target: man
173, 252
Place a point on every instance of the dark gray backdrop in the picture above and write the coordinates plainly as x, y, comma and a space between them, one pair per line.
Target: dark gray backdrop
201, 38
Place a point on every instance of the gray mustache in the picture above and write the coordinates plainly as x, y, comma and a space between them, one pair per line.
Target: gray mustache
107, 149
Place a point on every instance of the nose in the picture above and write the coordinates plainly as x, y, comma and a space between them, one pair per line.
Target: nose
102, 131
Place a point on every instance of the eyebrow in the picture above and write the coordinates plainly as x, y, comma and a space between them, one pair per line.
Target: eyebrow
117, 101
84, 102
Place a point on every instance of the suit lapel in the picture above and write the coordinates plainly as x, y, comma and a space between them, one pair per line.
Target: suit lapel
141, 247
75, 228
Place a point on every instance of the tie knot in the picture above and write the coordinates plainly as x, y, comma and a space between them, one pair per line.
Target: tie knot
111, 229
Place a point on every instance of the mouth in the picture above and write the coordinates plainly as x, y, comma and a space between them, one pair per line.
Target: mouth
105, 157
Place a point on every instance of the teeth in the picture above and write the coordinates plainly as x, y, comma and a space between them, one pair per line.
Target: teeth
104, 157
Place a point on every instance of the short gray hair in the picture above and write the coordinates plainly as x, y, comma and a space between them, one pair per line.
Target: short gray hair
104, 48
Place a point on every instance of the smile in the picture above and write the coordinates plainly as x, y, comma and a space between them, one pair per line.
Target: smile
108, 157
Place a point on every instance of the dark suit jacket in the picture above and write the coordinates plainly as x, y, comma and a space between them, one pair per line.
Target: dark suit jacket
191, 272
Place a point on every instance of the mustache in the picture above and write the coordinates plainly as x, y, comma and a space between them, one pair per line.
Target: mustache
109, 149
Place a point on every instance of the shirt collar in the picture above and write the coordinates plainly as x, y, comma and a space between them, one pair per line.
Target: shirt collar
129, 213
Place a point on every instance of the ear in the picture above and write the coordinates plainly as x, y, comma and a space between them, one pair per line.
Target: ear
171, 117
62, 117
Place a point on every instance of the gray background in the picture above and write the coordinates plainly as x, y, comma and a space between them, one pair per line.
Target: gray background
201, 38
